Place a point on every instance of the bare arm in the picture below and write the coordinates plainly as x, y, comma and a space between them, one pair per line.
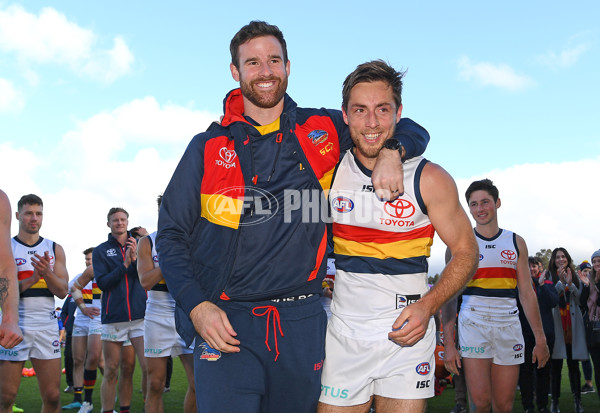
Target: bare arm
10, 333
81, 281
149, 274
57, 277
529, 302
452, 225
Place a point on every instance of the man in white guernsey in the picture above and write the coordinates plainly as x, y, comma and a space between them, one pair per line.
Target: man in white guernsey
87, 331
161, 339
381, 336
490, 339
42, 274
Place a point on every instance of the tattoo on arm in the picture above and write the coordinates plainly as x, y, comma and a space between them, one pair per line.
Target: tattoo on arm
3, 290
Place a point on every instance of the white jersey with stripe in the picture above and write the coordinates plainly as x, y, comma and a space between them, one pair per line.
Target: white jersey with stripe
493, 288
36, 304
381, 249
91, 294
160, 302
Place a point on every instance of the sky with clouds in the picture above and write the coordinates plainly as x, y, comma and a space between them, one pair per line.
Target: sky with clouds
98, 100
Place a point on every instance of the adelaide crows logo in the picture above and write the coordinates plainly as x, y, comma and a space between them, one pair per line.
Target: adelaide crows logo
318, 136
209, 353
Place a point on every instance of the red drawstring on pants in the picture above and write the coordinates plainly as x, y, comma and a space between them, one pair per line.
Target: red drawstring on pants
268, 309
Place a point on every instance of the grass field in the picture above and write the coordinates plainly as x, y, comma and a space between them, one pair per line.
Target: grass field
29, 398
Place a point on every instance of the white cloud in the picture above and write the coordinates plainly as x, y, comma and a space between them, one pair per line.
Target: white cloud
567, 57
489, 74
124, 157
51, 38
11, 99
549, 205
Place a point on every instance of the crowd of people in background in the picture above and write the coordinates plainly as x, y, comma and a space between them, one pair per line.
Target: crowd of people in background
569, 303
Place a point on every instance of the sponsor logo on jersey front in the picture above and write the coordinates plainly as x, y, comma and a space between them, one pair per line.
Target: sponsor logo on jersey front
111, 252
510, 257
342, 204
423, 369
227, 158
400, 211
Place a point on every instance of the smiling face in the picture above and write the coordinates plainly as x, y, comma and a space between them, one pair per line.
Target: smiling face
596, 264
534, 269
262, 72
118, 223
371, 117
482, 207
560, 260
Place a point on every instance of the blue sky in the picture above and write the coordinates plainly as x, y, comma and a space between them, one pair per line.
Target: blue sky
99, 99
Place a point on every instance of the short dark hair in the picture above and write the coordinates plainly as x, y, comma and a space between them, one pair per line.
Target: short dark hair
483, 185
159, 200
373, 71
535, 260
114, 210
88, 250
29, 199
252, 30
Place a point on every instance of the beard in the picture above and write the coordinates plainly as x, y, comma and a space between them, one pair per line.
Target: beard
264, 100
367, 150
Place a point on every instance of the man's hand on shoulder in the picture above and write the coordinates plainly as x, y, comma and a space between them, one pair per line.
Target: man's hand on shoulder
213, 326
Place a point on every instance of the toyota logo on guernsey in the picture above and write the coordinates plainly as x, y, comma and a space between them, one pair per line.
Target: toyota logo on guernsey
342, 204
261, 205
227, 158
510, 257
400, 208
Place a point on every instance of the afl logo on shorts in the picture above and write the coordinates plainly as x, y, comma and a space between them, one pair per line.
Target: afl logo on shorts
20, 261
209, 353
342, 204
518, 347
55, 343
423, 369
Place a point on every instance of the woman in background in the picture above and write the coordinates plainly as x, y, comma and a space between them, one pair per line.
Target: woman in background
569, 329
